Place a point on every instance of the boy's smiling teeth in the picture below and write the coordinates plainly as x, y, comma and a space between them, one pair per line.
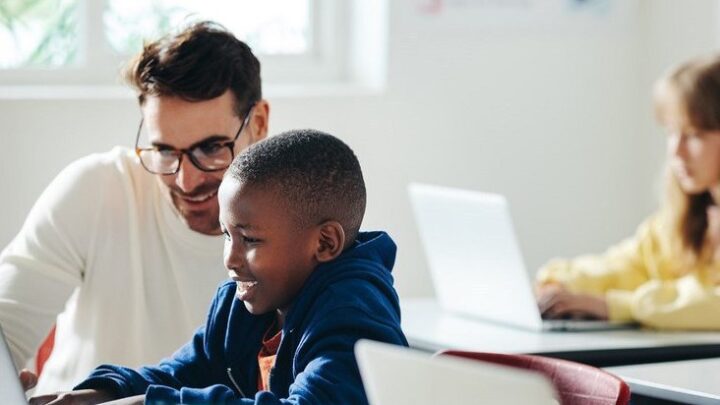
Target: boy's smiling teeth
242, 285
245, 285
245, 290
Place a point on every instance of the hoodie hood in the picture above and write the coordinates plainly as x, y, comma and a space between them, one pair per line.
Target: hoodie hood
369, 260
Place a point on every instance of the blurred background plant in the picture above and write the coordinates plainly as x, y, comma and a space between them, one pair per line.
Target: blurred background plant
269, 26
53, 34
38, 33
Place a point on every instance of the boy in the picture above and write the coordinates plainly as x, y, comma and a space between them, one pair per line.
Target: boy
308, 286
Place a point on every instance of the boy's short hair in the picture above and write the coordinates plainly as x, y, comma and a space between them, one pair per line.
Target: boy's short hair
317, 174
198, 63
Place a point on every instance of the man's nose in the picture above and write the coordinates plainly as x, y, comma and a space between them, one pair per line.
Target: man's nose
188, 177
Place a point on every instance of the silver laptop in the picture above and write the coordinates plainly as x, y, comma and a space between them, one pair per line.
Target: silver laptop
11, 391
475, 261
395, 375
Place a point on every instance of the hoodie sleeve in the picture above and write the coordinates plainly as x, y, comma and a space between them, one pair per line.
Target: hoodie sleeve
189, 366
326, 371
325, 365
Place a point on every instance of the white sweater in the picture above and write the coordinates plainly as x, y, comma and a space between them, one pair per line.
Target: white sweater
105, 255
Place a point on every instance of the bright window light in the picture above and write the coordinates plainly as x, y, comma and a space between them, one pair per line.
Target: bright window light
270, 27
38, 33
77, 48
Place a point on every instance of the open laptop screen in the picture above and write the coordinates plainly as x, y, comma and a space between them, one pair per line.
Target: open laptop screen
399, 375
475, 259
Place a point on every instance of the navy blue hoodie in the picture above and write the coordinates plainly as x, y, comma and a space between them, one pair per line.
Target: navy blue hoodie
349, 298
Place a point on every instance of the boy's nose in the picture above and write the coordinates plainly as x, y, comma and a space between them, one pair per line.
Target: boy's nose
234, 258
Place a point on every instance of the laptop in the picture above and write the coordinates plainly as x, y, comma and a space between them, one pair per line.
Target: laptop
11, 391
398, 375
475, 261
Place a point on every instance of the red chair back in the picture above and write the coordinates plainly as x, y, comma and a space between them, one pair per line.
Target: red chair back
576, 383
44, 351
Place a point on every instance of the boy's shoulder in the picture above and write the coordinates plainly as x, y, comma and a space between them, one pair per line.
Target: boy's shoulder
371, 253
225, 286
224, 302
349, 304
360, 279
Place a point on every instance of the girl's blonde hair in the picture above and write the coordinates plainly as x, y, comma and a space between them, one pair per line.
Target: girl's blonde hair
690, 92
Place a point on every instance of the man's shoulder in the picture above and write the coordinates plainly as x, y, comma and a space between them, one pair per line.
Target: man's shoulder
118, 159
112, 171
88, 184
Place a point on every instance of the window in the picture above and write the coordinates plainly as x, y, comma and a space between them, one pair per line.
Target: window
271, 27
38, 34
84, 43
77, 48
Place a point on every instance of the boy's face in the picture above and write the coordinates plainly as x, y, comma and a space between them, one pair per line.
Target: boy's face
266, 252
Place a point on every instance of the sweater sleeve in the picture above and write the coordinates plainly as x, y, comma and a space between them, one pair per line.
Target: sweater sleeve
45, 262
688, 302
616, 274
640, 283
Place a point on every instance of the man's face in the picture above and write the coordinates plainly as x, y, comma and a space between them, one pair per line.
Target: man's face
180, 124
266, 252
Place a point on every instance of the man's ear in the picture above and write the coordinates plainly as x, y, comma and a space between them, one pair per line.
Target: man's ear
331, 241
259, 121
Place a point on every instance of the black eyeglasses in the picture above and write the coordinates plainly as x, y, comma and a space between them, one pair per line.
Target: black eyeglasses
208, 156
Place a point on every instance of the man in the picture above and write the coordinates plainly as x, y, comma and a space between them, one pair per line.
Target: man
122, 251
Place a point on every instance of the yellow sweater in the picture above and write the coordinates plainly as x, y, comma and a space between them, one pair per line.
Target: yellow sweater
644, 279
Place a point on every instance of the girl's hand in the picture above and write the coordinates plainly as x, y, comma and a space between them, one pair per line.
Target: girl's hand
556, 302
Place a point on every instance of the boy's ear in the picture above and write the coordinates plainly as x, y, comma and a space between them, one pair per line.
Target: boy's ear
331, 241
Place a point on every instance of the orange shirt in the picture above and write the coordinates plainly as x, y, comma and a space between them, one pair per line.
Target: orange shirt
266, 357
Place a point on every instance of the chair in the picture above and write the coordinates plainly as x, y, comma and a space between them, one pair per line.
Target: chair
576, 384
44, 351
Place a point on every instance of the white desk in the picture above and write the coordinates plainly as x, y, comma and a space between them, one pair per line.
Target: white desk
690, 382
429, 328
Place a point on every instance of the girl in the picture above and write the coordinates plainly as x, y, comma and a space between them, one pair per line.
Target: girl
668, 275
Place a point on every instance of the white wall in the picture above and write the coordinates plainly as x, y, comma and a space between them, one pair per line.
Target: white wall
558, 119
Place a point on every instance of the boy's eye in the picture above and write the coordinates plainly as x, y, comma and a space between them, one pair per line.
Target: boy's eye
248, 239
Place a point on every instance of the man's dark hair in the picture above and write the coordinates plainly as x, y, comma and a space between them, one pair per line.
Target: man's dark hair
198, 63
317, 175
